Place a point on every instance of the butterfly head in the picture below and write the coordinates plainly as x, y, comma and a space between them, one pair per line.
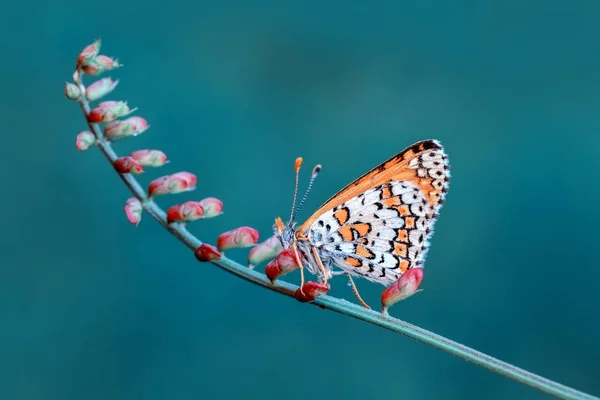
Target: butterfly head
286, 232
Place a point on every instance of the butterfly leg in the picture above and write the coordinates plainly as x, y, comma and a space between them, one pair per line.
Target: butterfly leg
320, 264
355, 290
300, 266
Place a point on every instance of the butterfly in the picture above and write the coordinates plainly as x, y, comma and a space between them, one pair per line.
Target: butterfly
378, 226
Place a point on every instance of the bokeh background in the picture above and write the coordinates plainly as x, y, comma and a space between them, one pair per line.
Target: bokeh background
93, 308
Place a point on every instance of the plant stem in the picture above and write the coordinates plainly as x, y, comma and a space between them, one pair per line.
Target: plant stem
328, 302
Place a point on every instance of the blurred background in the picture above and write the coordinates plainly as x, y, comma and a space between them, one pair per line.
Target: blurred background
93, 308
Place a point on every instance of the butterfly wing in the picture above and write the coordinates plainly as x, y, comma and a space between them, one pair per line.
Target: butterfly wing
380, 225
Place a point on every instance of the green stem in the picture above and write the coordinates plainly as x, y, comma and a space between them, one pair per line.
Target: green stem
332, 303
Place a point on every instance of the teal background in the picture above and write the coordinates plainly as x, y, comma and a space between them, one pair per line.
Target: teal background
93, 308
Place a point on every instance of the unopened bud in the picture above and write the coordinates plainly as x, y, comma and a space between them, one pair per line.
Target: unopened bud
90, 52
284, 263
150, 158
99, 64
236, 238
72, 91
100, 88
122, 129
133, 210
404, 287
85, 140
212, 207
310, 291
108, 111
185, 212
266, 250
127, 165
206, 252
172, 184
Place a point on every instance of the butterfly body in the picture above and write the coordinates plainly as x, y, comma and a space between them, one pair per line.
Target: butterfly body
378, 226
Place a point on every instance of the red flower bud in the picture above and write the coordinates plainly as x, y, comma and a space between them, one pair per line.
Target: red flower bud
127, 165
283, 264
99, 64
206, 252
212, 207
85, 140
89, 52
310, 291
107, 63
264, 251
237, 238
100, 88
150, 158
133, 210
404, 287
72, 91
108, 111
185, 212
131, 126
172, 184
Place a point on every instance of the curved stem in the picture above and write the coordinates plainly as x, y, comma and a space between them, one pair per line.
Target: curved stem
332, 303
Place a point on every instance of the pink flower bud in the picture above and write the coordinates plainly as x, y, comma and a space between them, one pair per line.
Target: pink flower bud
133, 210
172, 184
150, 158
212, 207
72, 91
89, 52
283, 264
100, 88
99, 64
185, 212
107, 63
310, 291
266, 250
404, 287
127, 165
240, 237
85, 140
206, 252
122, 129
108, 111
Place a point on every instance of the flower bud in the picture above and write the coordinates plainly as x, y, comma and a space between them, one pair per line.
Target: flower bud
122, 129
266, 250
90, 52
206, 252
72, 91
85, 140
212, 207
100, 88
310, 291
172, 184
91, 68
283, 264
127, 165
107, 63
150, 158
185, 212
237, 238
404, 287
99, 64
108, 111
133, 210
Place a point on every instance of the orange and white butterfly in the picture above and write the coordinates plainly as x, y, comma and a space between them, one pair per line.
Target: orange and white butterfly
379, 226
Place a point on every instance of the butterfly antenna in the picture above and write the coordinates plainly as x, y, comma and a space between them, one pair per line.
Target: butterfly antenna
297, 166
315, 172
